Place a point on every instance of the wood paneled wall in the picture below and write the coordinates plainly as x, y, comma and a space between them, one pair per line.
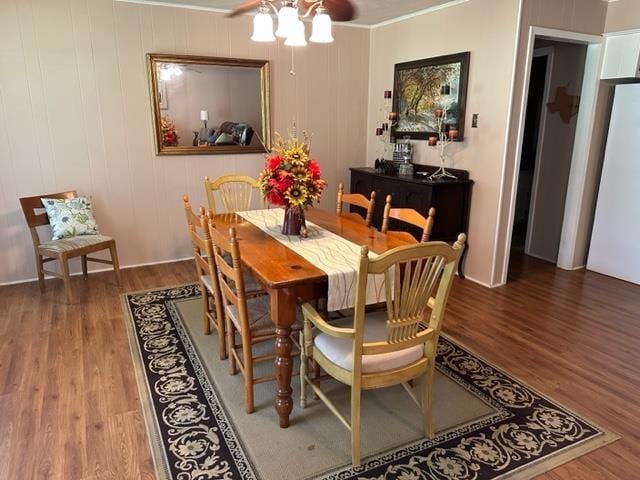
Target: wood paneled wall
455, 29
75, 113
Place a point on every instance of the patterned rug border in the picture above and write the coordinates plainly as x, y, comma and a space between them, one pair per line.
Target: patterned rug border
529, 470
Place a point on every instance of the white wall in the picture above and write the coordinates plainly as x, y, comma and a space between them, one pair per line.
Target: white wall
75, 114
486, 28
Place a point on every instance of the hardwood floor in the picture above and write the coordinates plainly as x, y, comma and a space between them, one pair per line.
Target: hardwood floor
69, 404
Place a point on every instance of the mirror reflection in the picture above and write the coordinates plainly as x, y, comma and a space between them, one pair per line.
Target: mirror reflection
210, 105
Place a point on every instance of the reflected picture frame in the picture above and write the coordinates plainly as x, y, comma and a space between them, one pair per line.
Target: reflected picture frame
159, 99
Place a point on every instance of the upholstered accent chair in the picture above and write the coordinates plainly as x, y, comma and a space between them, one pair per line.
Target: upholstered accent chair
247, 318
65, 248
388, 348
235, 192
232, 133
357, 199
410, 216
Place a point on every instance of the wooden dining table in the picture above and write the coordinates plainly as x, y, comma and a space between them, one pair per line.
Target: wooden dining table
289, 279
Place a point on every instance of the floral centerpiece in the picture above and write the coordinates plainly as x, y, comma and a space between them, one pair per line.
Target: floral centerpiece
291, 179
169, 132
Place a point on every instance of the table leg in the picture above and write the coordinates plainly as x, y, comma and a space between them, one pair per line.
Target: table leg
283, 314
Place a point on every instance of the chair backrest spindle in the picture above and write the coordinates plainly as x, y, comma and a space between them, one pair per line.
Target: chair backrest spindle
235, 192
418, 279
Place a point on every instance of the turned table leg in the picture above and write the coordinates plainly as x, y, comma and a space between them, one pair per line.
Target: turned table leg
283, 314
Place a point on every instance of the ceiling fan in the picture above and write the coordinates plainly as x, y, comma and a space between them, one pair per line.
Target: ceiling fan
290, 13
338, 10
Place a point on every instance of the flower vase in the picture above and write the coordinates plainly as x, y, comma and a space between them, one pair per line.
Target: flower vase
293, 220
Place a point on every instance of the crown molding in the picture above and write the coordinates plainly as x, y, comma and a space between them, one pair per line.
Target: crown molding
418, 13
337, 24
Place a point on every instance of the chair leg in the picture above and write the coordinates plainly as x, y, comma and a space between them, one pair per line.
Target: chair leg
427, 403
222, 335
303, 373
316, 379
355, 424
231, 345
247, 358
64, 263
205, 309
116, 263
83, 261
40, 269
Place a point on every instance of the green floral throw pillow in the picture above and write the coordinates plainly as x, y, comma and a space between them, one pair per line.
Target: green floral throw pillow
70, 217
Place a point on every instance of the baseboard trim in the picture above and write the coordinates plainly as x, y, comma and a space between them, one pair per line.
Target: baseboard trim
479, 282
160, 262
579, 267
98, 270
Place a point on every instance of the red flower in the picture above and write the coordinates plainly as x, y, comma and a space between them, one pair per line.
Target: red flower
283, 182
273, 163
275, 198
314, 169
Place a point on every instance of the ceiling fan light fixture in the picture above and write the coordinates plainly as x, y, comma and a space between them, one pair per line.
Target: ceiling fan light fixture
321, 32
263, 27
287, 18
296, 37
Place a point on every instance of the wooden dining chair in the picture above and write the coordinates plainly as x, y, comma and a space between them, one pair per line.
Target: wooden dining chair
358, 200
382, 349
235, 192
410, 216
207, 274
65, 248
198, 227
250, 318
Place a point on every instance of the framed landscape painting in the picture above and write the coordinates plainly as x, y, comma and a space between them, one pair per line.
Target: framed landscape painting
418, 92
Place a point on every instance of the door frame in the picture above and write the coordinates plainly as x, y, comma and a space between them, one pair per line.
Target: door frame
579, 159
549, 53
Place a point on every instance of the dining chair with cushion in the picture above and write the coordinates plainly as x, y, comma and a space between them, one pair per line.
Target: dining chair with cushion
66, 244
410, 216
387, 348
358, 200
235, 192
207, 274
248, 317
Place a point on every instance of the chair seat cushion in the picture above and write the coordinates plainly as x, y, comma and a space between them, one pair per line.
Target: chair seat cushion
251, 285
259, 314
340, 350
69, 244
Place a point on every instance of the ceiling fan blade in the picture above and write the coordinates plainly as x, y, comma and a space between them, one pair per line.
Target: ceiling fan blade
340, 10
245, 7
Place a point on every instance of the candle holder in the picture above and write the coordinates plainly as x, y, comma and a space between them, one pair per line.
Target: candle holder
446, 135
388, 120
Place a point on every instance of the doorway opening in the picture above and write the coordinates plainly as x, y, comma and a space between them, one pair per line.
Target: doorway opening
555, 82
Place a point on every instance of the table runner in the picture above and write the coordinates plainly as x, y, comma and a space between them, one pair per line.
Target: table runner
336, 256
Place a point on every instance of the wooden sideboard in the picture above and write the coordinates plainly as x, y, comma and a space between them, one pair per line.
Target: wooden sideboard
451, 199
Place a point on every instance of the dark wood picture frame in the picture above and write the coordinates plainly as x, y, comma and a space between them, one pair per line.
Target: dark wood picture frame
463, 59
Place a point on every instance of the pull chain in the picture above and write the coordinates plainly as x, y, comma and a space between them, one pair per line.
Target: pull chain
292, 72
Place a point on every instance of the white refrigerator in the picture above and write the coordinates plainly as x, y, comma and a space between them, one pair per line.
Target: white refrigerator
615, 241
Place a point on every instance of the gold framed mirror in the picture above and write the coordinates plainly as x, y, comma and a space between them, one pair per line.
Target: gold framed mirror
209, 105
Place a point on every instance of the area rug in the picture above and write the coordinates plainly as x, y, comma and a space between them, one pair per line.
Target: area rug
489, 424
